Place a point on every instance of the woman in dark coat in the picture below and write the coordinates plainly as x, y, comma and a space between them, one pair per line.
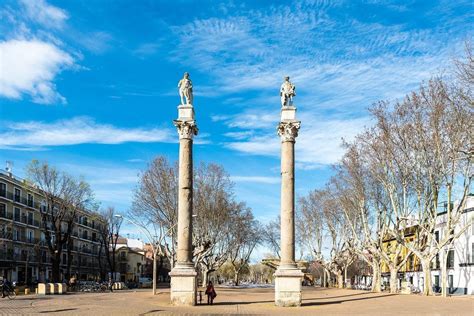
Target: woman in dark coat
211, 293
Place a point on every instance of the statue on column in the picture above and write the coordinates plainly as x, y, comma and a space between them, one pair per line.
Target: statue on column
185, 87
287, 92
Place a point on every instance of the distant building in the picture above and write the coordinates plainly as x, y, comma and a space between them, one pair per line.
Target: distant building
163, 266
24, 255
130, 259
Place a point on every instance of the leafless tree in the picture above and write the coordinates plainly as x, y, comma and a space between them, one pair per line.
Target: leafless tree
109, 233
155, 203
246, 236
271, 236
63, 198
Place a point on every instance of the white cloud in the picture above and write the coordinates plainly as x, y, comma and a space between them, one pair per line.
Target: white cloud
43, 13
256, 179
29, 67
319, 141
79, 130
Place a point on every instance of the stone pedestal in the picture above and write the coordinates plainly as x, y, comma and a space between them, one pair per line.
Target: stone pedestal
288, 277
288, 287
183, 275
183, 286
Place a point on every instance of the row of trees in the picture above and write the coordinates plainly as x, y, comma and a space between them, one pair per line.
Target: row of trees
224, 230
394, 179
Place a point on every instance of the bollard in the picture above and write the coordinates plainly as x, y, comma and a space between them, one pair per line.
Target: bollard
53, 288
43, 289
62, 288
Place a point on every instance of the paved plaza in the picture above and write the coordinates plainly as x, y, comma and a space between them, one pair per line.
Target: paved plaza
316, 301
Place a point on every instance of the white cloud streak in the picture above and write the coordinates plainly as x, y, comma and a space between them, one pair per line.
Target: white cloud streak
256, 179
79, 130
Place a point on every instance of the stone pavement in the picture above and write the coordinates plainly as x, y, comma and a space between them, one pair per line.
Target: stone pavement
316, 301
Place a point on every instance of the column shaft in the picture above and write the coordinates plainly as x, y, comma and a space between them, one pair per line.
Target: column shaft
185, 202
287, 203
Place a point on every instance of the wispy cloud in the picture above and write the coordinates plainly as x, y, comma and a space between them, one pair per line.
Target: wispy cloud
256, 179
44, 13
79, 130
146, 49
97, 42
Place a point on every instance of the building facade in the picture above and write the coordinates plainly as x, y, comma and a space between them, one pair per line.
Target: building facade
460, 257
24, 255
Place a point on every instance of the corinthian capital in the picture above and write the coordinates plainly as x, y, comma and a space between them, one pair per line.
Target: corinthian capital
186, 129
288, 131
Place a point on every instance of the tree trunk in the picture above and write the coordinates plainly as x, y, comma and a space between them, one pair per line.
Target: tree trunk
340, 279
393, 280
205, 277
376, 278
324, 278
55, 269
154, 274
236, 277
444, 274
345, 276
427, 289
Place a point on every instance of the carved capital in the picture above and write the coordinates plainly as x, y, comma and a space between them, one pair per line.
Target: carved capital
288, 131
186, 129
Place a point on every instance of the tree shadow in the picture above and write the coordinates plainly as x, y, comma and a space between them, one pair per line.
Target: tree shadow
330, 297
348, 300
150, 312
58, 310
235, 303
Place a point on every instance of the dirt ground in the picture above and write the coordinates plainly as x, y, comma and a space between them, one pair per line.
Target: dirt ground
316, 301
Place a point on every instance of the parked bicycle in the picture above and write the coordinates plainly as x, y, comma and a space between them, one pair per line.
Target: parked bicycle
7, 289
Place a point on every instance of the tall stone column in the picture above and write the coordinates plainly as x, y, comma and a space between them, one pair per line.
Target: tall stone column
288, 277
183, 275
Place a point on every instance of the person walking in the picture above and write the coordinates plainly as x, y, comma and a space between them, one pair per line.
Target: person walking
211, 293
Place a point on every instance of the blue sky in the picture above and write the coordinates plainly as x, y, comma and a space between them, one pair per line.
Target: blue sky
90, 86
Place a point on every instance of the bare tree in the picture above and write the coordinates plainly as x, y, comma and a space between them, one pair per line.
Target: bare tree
271, 235
246, 236
155, 203
63, 197
108, 235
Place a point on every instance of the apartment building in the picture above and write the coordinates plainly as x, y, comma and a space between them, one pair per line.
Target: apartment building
460, 257
24, 256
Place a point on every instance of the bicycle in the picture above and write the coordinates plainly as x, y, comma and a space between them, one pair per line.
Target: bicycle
8, 290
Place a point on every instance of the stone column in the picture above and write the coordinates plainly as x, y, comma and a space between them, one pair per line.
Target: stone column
183, 275
288, 277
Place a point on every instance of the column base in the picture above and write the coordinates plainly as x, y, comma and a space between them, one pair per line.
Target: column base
288, 286
183, 286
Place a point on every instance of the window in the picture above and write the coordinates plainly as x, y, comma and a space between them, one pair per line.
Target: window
3, 189
30, 218
64, 258
16, 214
3, 210
451, 258
17, 195
30, 236
437, 236
450, 281
30, 200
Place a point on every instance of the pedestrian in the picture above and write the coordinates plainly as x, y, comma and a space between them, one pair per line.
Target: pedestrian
6, 286
211, 293
111, 284
72, 283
